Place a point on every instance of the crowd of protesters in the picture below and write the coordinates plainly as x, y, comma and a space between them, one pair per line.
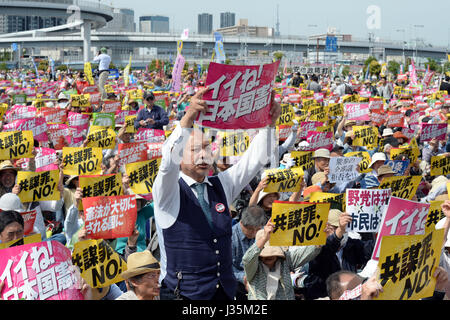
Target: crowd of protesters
177, 251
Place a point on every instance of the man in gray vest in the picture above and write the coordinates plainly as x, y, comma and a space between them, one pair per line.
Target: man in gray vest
192, 214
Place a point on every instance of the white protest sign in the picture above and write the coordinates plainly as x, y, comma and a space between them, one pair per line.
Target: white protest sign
343, 169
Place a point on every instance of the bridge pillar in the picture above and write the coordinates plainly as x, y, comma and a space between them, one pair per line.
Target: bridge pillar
86, 34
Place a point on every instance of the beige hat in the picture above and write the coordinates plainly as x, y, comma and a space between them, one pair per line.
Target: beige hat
140, 263
384, 169
333, 217
350, 123
321, 153
437, 182
268, 250
71, 178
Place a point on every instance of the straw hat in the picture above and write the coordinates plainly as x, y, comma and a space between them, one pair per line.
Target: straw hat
7, 165
321, 153
268, 250
385, 169
140, 263
71, 178
318, 177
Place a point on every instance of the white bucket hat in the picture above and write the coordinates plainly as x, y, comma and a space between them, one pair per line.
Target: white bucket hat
379, 156
11, 202
388, 132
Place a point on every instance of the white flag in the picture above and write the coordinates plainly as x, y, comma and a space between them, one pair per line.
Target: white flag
185, 34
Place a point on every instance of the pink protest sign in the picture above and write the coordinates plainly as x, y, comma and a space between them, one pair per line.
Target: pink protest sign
402, 217
54, 115
28, 220
176, 73
122, 114
432, 131
319, 140
112, 106
239, 96
45, 159
39, 271
37, 125
307, 127
357, 111
150, 135
60, 135
20, 112
78, 121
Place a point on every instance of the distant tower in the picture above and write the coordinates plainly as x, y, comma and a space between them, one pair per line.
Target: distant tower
277, 32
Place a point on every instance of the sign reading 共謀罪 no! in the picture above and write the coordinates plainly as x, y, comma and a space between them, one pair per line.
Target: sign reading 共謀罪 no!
299, 224
142, 175
99, 264
81, 161
407, 264
283, 180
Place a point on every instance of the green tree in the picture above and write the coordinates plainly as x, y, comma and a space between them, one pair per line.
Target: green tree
393, 67
228, 61
62, 67
3, 67
345, 71
434, 66
278, 55
446, 67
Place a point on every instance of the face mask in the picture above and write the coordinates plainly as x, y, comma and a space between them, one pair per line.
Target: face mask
63, 105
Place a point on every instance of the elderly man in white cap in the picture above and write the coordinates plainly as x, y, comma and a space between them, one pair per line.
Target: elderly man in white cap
371, 179
321, 161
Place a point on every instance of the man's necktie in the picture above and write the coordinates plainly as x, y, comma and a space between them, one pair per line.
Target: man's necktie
201, 198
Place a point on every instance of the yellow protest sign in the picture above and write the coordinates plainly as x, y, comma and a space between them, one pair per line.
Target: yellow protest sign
233, 143
307, 93
38, 186
88, 73
286, 116
284, 180
135, 94
100, 266
299, 224
319, 113
404, 187
365, 136
104, 138
101, 185
129, 124
411, 154
3, 108
336, 200
440, 166
365, 162
81, 100
142, 175
16, 145
435, 214
34, 238
308, 103
406, 265
328, 128
82, 161
335, 109
302, 159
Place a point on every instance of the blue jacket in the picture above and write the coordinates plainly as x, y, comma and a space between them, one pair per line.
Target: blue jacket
156, 113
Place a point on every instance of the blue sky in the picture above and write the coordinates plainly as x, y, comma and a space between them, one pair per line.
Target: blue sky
427, 20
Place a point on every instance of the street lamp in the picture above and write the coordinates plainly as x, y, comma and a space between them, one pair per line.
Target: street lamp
417, 26
403, 43
310, 26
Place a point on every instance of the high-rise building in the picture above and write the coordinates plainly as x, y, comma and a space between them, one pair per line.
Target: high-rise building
227, 19
205, 23
154, 24
123, 21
